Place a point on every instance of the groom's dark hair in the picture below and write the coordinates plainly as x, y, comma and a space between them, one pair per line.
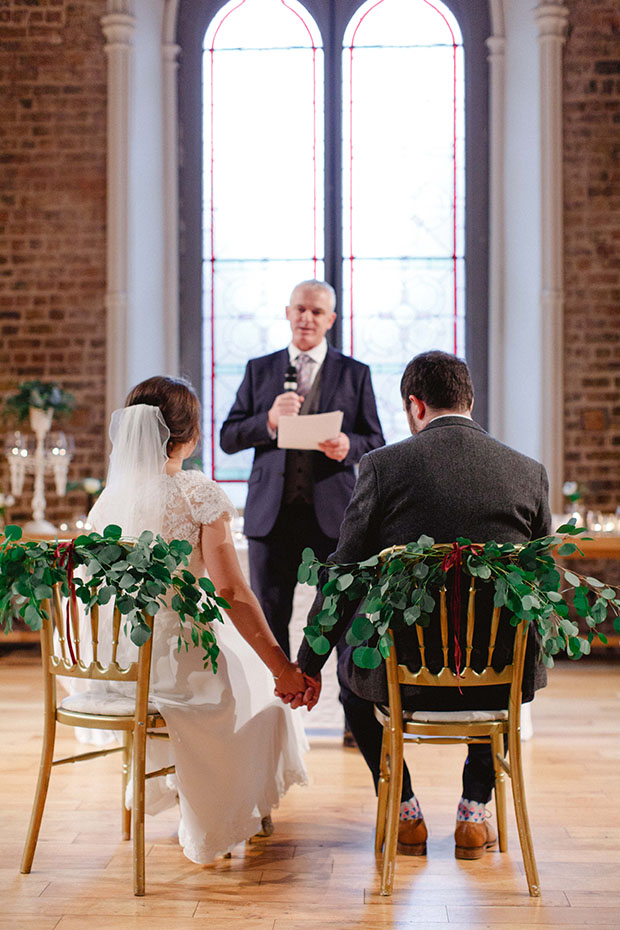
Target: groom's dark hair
178, 403
440, 379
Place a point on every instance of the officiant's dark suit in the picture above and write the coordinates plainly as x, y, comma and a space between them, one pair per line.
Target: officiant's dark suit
297, 499
449, 479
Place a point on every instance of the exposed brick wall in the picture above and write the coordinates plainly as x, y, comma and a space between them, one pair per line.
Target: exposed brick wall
52, 217
592, 250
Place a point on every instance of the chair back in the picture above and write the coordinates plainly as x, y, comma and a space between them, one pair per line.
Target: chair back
479, 647
77, 644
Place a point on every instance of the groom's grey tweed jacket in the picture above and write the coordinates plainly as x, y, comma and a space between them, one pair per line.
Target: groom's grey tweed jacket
450, 480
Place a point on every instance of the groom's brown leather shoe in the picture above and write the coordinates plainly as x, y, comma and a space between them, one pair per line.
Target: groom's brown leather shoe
473, 839
412, 836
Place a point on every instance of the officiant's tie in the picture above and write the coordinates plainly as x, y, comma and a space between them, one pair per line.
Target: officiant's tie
304, 365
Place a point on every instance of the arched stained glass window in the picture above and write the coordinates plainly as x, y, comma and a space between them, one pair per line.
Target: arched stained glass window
263, 227
329, 139
403, 190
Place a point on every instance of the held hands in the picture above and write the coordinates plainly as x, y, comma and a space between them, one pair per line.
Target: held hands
285, 405
305, 696
337, 448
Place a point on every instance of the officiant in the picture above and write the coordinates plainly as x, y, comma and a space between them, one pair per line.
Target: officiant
298, 498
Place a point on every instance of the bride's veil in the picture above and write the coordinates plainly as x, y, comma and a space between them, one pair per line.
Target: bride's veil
134, 494
134, 498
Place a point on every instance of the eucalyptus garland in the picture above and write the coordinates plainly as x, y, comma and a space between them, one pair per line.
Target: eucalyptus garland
143, 575
401, 589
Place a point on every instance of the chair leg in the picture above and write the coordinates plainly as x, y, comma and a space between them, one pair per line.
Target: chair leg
497, 749
523, 823
395, 761
139, 764
126, 772
382, 794
45, 769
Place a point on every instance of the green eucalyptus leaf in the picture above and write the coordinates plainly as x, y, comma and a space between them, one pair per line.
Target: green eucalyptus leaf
140, 633
411, 614
308, 555
501, 591
42, 592
125, 604
321, 645
362, 628
303, 573
367, 657
32, 617
567, 549
572, 579
81, 541
427, 603
344, 581
598, 611
12, 532
570, 628
426, 542
112, 532
385, 645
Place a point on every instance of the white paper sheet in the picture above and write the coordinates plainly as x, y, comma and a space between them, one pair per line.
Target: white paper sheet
306, 432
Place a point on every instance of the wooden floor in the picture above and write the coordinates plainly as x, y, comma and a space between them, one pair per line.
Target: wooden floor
318, 869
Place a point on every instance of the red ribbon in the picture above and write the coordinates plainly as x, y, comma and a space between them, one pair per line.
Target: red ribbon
453, 559
64, 553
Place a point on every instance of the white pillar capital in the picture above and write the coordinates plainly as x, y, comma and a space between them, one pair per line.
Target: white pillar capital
170, 53
496, 46
552, 19
118, 28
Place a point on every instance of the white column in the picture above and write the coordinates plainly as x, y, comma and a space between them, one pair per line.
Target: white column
118, 27
552, 19
170, 63
496, 45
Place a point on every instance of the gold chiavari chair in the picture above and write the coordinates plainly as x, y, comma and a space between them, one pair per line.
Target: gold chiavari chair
63, 654
462, 727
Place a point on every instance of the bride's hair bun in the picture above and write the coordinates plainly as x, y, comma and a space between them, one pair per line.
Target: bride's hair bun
178, 403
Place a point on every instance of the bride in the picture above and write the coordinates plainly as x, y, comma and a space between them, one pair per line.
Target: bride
237, 749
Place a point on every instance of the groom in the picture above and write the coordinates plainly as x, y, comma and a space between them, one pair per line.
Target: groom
449, 479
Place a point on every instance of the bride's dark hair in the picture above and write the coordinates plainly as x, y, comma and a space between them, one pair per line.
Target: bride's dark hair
178, 403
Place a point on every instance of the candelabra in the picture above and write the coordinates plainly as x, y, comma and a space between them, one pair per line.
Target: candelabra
47, 454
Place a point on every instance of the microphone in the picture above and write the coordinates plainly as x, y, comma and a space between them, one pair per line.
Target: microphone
290, 379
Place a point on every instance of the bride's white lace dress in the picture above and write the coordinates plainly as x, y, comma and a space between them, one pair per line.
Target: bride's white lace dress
236, 747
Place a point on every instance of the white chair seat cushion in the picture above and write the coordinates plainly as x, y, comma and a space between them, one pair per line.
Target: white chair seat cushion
106, 703
454, 716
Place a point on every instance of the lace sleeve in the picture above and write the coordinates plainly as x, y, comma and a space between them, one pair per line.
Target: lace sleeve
206, 499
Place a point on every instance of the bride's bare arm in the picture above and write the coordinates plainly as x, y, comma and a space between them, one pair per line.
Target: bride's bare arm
222, 565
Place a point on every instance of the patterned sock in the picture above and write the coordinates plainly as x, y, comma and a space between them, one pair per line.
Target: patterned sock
473, 811
410, 810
